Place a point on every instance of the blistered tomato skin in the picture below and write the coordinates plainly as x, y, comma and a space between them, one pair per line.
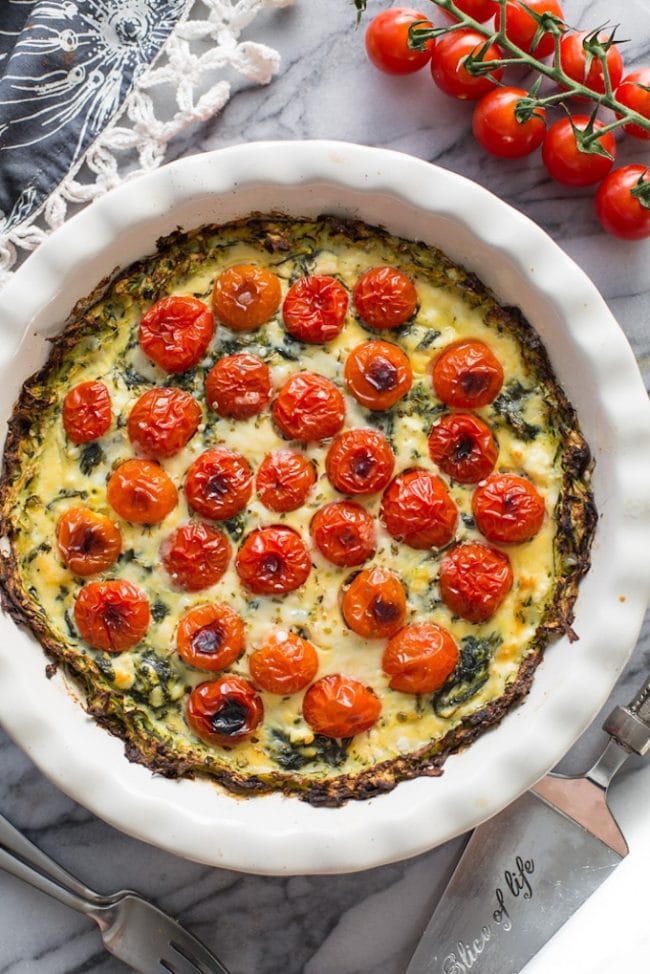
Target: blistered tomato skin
219, 484
338, 706
360, 461
88, 542
507, 509
374, 604
246, 296
344, 533
384, 298
474, 580
87, 412
285, 663
420, 658
210, 637
314, 309
463, 447
238, 386
175, 332
273, 561
418, 510
112, 615
195, 556
225, 711
378, 374
467, 374
284, 480
141, 492
163, 421
308, 408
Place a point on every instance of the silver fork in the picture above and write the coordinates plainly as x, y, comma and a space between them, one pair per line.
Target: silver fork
132, 928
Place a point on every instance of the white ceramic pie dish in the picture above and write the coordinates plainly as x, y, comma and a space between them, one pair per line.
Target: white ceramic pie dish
594, 363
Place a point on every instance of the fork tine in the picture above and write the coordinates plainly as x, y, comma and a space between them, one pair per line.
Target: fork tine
192, 950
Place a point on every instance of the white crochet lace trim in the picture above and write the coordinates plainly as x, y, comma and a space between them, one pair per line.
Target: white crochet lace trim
181, 88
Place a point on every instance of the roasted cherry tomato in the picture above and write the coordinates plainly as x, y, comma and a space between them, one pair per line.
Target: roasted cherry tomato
87, 412
448, 64
463, 447
163, 421
378, 374
634, 93
574, 57
474, 580
225, 711
387, 39
238, 386
480, 10
566, 162
507, 509
175, 332
418, 510
112, 615
374, 604
420, 658
195, 556
210, 637
284, 664
467, 374
88, 542
273, 561
338, 706
521, 27
284, 479
219, 484
314, 309
245, 296
620, 211
360, 461
344, 533
308, 408
496, 127
141, 492
385, 297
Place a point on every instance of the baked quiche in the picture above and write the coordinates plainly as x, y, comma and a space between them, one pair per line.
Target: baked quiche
298, 505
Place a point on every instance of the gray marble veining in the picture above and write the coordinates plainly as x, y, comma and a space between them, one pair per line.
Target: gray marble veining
369, 921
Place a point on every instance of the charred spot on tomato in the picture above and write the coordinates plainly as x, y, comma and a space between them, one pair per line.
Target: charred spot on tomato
217, 486
384, 610
463, 447
208, 640
473, 383
381, 375
230, 718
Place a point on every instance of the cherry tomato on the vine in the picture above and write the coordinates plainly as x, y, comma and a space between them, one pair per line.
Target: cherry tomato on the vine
467, 374
112, 615
384, 297
195, 556
634, 93
88, 542
273, 561
344, 533
463, 447
210, 637
378, 374
339, 706
418, 510
245, 296
566, 162
521, 27
480, 10
474, 580
360, 461
238, 386
308, 408
314, 309
141, 492
496, 127
87, 411
419, 658
374, 604
448, 64
225, 711
219, 484
574, 58
284, 664
284, 479
176, 331
620, 211
387, 41
163, 421
507, 509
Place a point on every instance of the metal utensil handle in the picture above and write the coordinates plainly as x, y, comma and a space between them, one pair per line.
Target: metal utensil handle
12, 864
630, 725
14, 842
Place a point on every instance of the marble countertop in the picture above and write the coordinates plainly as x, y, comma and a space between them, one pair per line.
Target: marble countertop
368, 921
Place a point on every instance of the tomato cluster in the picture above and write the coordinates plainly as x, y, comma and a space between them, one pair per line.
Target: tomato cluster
511, 122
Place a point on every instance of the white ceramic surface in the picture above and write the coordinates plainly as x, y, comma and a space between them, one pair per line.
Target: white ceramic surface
594, 363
